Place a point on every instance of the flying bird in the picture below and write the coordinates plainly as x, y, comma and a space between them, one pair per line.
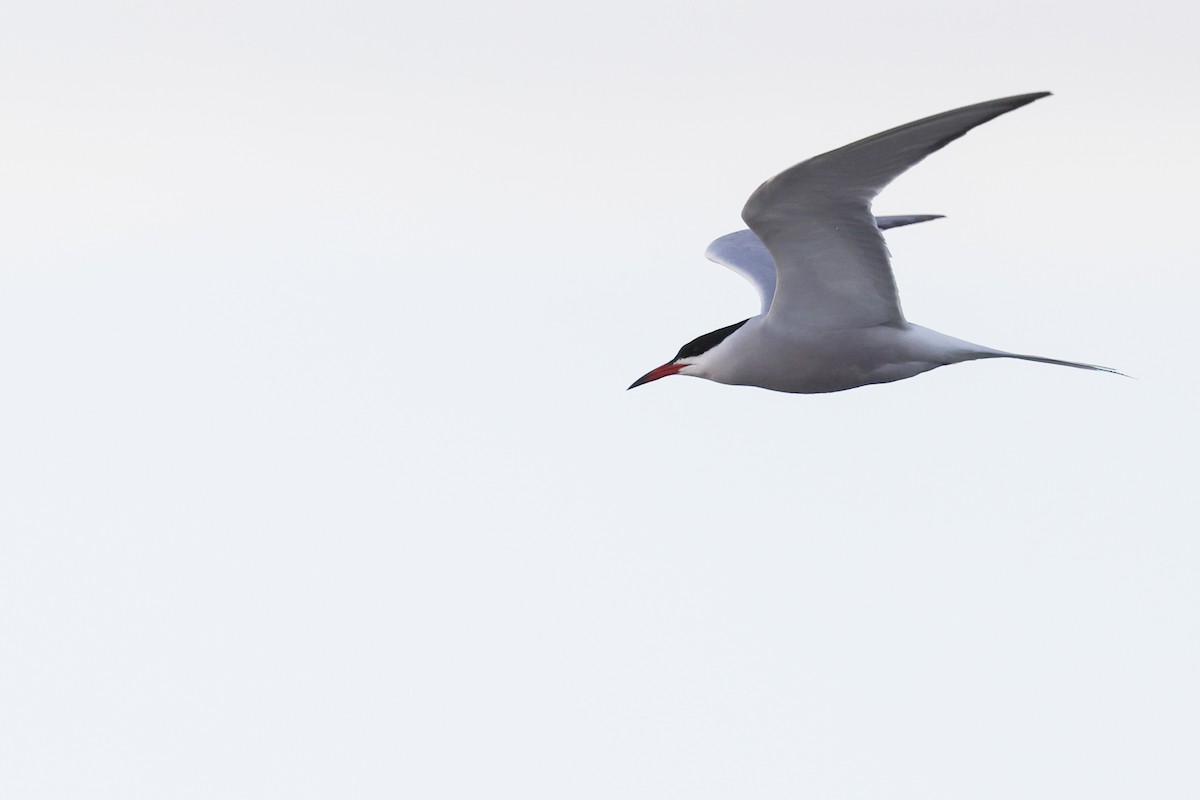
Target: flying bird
830, 317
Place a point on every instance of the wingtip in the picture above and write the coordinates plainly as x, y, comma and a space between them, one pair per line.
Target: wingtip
1022, 99
1018, 100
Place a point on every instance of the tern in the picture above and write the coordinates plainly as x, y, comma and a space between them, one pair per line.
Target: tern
830, 317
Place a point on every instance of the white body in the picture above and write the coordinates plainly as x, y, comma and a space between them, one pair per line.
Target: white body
812, 360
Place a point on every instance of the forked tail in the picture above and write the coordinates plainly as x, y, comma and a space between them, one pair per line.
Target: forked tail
1056, 361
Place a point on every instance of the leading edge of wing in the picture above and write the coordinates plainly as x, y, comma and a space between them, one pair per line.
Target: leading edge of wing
814, 218
745, 254
870, 164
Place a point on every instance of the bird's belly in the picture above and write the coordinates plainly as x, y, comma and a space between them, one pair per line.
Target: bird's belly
828, 361
815, 377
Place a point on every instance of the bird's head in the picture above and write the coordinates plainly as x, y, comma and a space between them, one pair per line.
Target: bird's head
691, 358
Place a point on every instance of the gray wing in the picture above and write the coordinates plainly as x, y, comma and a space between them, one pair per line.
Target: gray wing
745, 254
815, 220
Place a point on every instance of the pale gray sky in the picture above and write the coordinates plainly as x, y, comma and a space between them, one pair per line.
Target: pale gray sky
320, 480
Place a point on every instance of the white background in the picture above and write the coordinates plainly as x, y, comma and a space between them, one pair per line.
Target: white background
317, 474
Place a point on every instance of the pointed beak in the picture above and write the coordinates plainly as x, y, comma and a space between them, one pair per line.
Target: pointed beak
656, 373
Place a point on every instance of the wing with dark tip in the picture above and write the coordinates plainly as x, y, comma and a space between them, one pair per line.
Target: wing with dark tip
745, 254
832, 267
